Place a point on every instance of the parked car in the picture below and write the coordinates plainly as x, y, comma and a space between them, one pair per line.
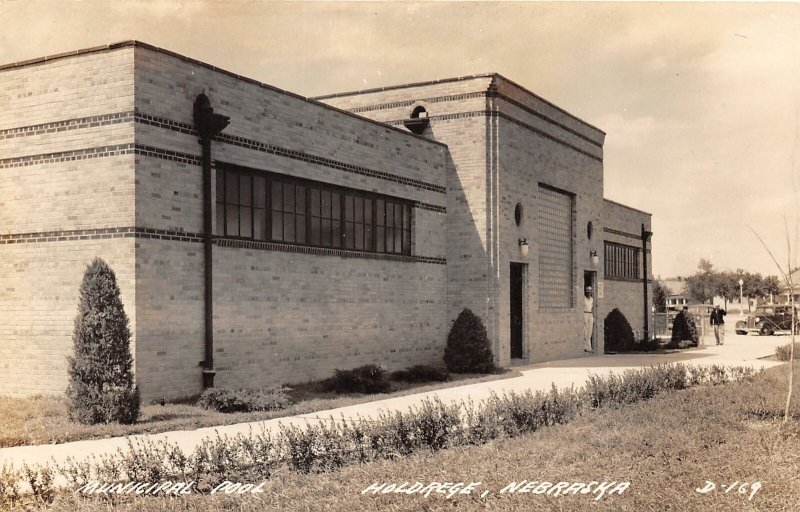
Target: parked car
767, 320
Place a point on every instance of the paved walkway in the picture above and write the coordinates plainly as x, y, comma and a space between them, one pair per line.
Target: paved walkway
737, 350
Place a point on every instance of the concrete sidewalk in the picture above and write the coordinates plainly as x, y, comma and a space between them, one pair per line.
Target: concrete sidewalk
737, 351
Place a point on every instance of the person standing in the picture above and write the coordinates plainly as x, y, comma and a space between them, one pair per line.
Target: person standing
718, 322
588, 319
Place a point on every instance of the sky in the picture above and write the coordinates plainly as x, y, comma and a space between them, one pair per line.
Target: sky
700, 101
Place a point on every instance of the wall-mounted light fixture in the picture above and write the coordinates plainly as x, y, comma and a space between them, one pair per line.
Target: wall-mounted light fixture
523, 246
595, 259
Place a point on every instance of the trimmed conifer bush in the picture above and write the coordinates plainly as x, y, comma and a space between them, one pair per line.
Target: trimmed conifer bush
101, 387
618, 332
468, 349
684, 329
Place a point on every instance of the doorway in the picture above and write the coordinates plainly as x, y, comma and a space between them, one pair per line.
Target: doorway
590, 279
517, 285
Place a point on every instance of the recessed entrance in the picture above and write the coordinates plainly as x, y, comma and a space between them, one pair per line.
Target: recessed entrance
590, 279
517, 282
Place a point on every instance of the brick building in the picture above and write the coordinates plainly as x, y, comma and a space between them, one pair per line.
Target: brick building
306, 235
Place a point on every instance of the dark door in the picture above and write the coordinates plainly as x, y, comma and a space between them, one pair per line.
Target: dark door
516, 309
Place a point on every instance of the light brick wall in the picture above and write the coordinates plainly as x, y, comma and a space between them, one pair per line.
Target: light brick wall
279, 316
39, 285
470, 281
60, 109
627, 295
285, 318
525, 161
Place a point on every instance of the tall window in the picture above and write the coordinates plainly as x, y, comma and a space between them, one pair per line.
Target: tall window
261, 206
622, 261
555, 222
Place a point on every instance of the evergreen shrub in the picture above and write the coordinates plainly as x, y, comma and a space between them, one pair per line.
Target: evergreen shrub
684, 328
101, 383
618, 332
468, 349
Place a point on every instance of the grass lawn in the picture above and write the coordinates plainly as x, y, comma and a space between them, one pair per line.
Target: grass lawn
666, 448
44, 419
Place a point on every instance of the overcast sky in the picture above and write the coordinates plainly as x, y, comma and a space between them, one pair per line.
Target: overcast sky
700, 102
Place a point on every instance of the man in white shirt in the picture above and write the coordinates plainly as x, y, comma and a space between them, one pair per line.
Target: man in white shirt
588, 319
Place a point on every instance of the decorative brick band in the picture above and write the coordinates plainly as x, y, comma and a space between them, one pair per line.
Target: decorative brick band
98, 234
65, 156
622, 233
288, 153
322, 251
327, 162
185, 128
430, 207
180, 236
408, 103
483, 94
99, 152
69, 124
490, 113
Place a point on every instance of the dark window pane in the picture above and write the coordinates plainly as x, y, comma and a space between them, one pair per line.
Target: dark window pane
315, 202
232, 222
219, 228
336, 234
288, 198
288, 228
368, 211
349, 235
380, 234
389, 214
277, 226
325, 233
368, 237
246, 224
314, 235
348, 208
300, 203
260, 192
277, 195
232, 188
359, 236
406, 217
358, 209
398, 218
406, 241
380, 216
326, 204
398, 240
336, 206
389, 240
260, 224
220, 186
300, 231
245, 190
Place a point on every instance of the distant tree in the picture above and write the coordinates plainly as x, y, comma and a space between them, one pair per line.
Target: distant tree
772, 286
702, 286
101, 384
660, 293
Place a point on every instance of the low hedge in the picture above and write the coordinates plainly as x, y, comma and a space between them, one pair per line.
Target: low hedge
433, 425
243, 400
